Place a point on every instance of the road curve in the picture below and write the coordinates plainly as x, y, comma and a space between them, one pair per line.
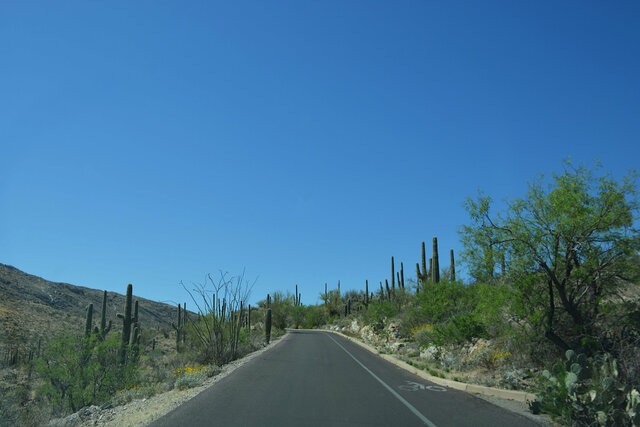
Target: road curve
315, 378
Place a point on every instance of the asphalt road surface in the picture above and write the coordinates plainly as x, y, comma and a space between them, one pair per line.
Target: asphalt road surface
316, 378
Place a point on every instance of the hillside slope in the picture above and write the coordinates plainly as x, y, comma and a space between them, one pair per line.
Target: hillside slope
32, 307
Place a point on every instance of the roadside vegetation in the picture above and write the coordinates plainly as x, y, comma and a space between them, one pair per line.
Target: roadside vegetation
107, 368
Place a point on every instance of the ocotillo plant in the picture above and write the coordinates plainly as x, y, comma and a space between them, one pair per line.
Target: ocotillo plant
393, 276
453, 266
435, 270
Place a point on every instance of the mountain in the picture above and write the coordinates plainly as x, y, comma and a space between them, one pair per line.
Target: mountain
32, 307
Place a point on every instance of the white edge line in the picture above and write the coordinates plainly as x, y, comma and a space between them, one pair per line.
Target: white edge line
397, 396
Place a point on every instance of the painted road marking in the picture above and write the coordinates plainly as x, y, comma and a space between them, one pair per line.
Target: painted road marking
414, 386
397, 396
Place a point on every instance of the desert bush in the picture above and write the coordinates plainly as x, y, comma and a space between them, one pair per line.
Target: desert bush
314, 317
81, 371
378, 312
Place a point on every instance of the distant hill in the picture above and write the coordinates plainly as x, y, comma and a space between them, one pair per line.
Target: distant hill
32, 307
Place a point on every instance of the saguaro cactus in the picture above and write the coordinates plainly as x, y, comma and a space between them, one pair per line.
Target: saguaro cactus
386, 282
326, 295
88, 325
178, 328
104, 327
453, 266
393, 276
267, 326
126, 323
424, 264
366, 292
418, 275
435, 270
402, 275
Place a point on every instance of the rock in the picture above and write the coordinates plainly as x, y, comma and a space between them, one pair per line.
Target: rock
431, 353
355, 326
396, 346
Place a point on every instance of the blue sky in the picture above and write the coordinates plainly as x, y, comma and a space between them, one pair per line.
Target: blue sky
308, 142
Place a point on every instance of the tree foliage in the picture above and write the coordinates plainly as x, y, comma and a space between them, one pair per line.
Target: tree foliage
566, 247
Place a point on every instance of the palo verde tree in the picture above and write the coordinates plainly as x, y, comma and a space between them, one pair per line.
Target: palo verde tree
564, 249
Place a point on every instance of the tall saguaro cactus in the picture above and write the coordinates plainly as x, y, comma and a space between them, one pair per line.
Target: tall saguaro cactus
104, 327
366, 293
393, 276
126, 323
88, 322
435, 269
178, 329
402, 275
453, 266
424, 264
267, 322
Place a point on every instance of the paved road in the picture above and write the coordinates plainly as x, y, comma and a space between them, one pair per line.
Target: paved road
316, 378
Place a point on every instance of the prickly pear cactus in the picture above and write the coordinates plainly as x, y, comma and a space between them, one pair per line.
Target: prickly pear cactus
587, 391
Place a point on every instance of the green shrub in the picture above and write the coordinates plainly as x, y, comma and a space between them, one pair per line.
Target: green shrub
314, 317
378, 313
190, 380
459, 329
81, 371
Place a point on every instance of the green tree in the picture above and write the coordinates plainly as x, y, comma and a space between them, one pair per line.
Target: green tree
565, 248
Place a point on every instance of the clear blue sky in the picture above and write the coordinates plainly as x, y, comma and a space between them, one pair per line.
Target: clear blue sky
152, 142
